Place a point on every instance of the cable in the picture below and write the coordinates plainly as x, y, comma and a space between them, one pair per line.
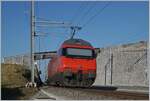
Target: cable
42, 19
76, 13
90, 19
86, 13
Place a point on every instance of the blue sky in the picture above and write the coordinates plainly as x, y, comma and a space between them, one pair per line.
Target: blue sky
118, 23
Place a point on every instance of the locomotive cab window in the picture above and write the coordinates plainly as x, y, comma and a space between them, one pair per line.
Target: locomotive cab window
79, 52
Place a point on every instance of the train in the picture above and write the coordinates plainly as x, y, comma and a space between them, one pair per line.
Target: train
74, 64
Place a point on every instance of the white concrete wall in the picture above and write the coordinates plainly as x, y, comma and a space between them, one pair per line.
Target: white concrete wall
126, 69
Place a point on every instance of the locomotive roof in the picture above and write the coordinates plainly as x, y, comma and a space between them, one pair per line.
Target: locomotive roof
77, 41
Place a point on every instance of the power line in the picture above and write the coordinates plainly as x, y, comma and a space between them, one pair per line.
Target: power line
100, 11
75, 15
77, 12
43, 19
87, 12
44, 34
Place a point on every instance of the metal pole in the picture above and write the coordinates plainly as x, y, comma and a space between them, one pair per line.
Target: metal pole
73, 30
110, 57
73, 33
105, 73
32, 41
39, 51
111, 66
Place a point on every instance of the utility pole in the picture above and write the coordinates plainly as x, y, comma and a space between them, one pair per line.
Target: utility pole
32, 41
39, 51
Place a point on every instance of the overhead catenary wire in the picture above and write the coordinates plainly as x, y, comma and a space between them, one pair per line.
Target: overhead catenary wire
96, 14
92, 17
52, 24
76, 14
87, 12
74, 28
43, 19
52, 33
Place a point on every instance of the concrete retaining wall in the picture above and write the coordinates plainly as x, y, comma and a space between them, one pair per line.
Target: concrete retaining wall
126, 67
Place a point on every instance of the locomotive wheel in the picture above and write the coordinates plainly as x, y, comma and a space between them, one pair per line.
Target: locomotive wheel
57, 83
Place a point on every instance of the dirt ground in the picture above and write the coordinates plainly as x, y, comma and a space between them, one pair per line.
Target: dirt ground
13, 80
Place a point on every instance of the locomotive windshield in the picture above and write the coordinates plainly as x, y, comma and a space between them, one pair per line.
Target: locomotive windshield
81, 52
78, 52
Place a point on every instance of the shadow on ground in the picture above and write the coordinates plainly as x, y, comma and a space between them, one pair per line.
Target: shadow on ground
11, 93
104, 88
17, 93
109, 88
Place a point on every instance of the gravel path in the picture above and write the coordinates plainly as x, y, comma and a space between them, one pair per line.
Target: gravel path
62, 93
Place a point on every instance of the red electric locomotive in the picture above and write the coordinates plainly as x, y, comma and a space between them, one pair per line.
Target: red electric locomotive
74, 64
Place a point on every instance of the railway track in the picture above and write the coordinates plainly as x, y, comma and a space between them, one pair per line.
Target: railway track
93, 93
